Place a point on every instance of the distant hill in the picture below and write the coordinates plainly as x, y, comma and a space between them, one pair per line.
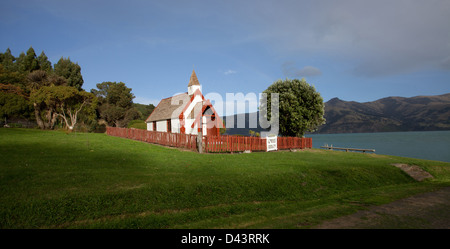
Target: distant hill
145, 110
421, 113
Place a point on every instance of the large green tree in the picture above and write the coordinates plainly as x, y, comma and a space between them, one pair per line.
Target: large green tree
70, 71
28, 62
65, 102
11, 77
40, 78
13, 105
7, 60
115, 103
301, 107
44, 63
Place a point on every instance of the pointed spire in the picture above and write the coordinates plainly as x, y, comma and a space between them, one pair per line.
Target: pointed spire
193, 81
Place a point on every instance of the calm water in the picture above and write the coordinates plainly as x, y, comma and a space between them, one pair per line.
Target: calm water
432, 145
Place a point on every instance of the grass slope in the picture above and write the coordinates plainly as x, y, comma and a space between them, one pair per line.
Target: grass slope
50, 179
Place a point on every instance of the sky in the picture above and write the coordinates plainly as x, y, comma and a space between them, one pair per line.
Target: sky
355, 50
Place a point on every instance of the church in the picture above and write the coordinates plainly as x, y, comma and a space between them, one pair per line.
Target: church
186, 113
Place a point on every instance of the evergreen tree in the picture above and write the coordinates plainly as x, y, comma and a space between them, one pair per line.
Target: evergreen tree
7, 60
44, 63
19, 63
70, 71
116, 103
27, 62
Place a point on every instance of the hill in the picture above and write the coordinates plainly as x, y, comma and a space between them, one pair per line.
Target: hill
421, 113
91, 180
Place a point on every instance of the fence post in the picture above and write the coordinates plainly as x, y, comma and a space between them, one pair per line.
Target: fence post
199, 142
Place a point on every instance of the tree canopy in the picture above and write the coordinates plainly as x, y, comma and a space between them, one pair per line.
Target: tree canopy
12, 104
116, 103
62, 101
301, 107
70, 71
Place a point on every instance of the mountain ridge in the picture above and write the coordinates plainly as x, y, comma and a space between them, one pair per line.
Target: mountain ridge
419, 113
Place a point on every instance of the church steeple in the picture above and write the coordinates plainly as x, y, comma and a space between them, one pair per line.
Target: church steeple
193, 84
193, 80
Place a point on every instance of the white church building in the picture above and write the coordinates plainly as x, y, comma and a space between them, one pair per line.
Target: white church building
186, 113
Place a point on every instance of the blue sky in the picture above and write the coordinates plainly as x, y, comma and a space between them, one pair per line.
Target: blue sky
355, 50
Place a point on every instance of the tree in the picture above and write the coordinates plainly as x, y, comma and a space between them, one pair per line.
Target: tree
44, 108
116, 103
72, 102
37, 79
40, 78
70, 71
13, 105
51, 102
27, 62
13, 99
11, 77
7, 60
301, 107
44, 63
31, 63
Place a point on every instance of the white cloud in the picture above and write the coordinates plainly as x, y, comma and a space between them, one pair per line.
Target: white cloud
230, 72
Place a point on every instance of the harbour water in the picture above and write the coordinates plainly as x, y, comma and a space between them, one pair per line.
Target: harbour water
431, 145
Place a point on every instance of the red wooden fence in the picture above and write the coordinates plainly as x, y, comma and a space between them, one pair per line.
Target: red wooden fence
239, 143
211, 143
168, 139
285, 143
234, 143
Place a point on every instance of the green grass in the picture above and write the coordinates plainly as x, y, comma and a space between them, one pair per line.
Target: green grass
138, 124
49, 179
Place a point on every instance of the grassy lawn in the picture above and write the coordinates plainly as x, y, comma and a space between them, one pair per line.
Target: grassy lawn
49, 179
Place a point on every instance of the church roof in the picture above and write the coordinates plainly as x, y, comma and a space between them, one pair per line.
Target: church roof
193, 80
167, 108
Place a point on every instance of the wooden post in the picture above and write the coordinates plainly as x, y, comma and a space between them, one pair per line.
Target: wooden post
200, 142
